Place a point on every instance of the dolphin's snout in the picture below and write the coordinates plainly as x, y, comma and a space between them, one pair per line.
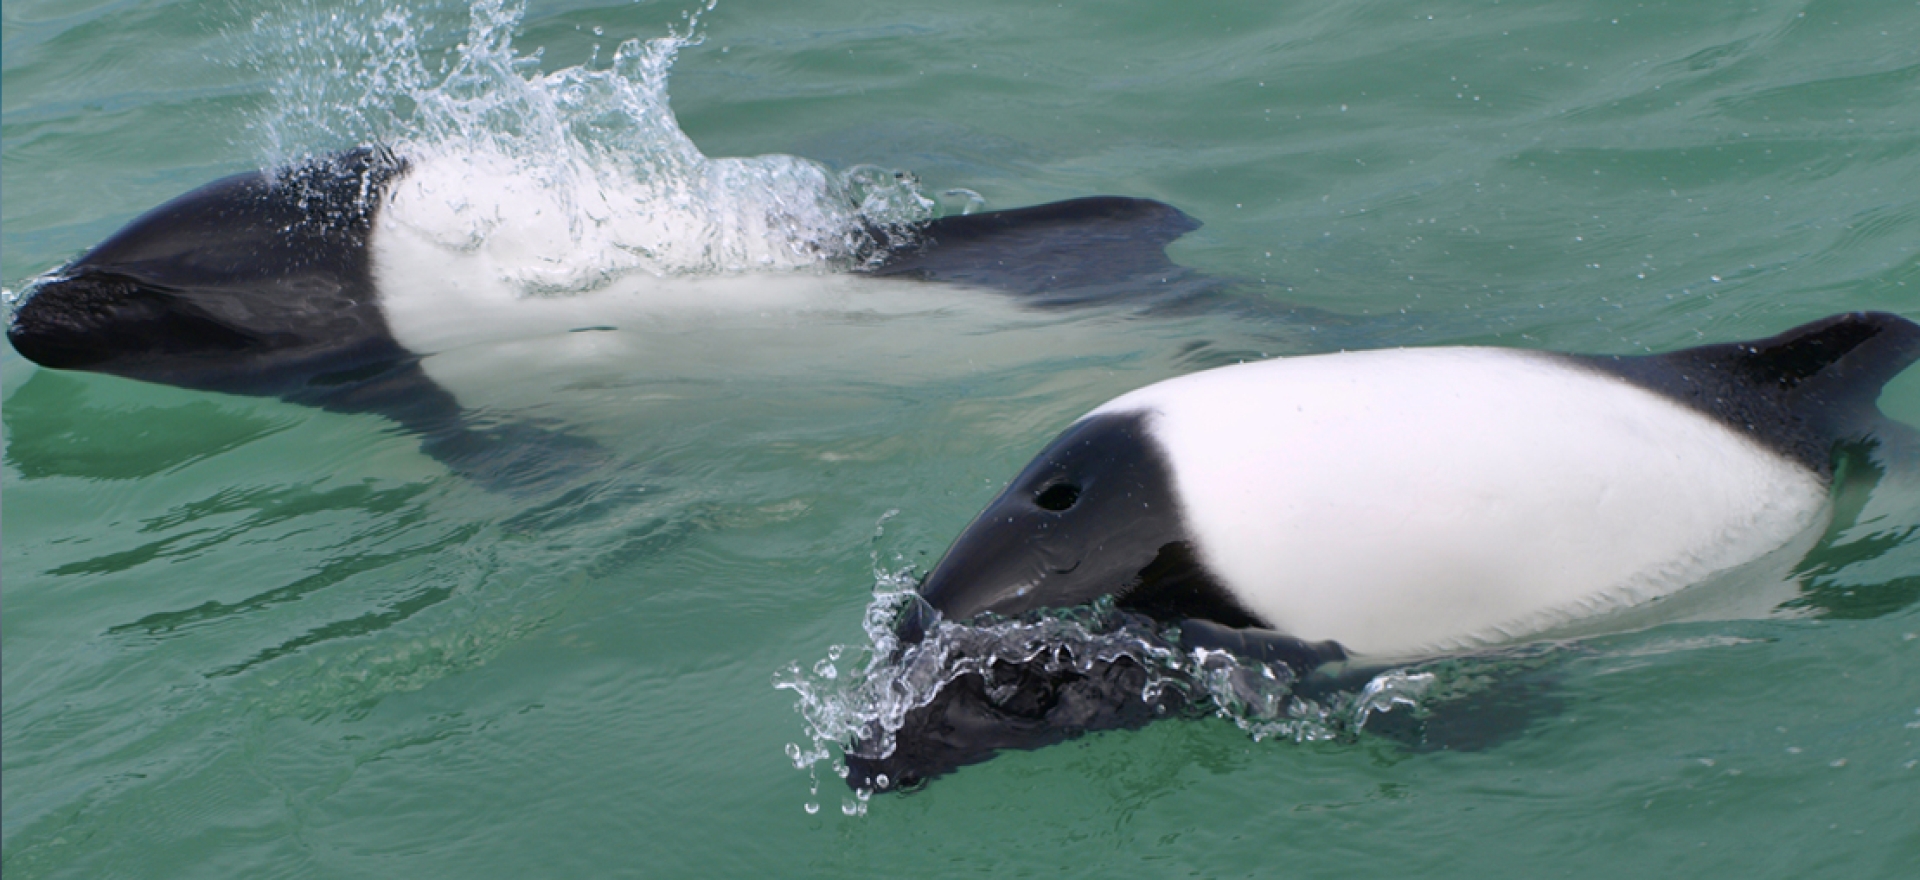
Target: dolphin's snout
111, 322
60, 322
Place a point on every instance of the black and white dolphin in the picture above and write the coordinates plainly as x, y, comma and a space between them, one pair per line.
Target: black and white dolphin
1380, 506
343, 283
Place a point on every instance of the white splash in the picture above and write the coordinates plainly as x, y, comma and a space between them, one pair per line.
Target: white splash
561, 181
864, 693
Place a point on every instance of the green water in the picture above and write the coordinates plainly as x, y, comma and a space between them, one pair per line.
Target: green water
243, 638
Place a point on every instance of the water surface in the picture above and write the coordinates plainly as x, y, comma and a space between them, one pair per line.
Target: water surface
244, 638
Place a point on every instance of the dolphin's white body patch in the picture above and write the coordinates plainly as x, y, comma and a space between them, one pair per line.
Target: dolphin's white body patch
492, 274
1413, 501
475, 247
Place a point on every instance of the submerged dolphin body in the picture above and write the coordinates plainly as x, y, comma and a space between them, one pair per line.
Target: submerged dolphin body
1376, 507
296, 283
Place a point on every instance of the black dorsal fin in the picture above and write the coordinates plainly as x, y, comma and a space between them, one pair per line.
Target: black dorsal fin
1798, 393
1075, 245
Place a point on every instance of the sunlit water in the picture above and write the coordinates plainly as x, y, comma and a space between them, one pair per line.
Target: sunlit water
245, 638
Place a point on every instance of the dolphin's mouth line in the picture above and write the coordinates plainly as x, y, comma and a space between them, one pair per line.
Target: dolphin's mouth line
32, 285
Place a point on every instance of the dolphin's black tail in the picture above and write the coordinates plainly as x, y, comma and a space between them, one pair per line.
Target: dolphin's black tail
1062, 253
1799, 393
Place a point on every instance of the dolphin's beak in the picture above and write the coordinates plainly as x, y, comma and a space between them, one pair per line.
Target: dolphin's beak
114, 322
994, 566
50, 336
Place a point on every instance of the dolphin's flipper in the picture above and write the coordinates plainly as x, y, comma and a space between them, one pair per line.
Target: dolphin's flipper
1026, 705
499, 454
1264, 645
1061, 253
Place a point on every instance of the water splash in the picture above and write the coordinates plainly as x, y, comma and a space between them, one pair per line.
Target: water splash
565, 179
857, 700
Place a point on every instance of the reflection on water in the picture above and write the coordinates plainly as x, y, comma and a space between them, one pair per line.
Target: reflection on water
1858, 537
55, 430
365, 624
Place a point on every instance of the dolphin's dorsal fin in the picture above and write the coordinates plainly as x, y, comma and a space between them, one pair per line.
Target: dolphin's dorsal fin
1077, 245
1798, 393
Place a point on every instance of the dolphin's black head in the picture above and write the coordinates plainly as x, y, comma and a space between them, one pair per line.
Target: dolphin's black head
1095, 515
259, 283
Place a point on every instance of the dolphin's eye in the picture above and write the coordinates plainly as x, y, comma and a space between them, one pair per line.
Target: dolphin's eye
1057, 497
